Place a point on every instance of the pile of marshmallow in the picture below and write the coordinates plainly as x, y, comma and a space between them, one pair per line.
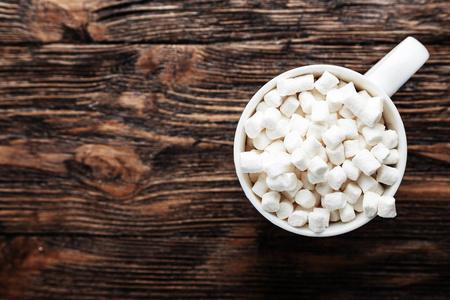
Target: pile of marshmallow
318, 150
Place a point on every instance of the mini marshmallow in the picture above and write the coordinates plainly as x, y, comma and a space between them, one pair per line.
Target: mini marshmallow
334, 215
346, 113
281, 129
322, 154
262, 106
386, 207
334, 201
392, 158
370, 204
283, 182
314, 179
318, 95
364, 94
351, 170
373, 135
353, 192
291, 193
273, 98
289, 106
316, 222
261, 141
323, 188
253, 125
275, 147
348, 126
319, 111
325, 213
274, 164
347, 213
379, 190
326, 82
351, 148
286, 208
271, 118
390, 139
298, 218
316, 129
366, 162
311, 145
305, 198
300, 124
300, 159
332, 119
337, 155
270, 201
334, 100
291, 86
336, 177
358, 206
387, 175
260, 187
251, 162
366, 183
317, 166
359, 125
380, 152
352, 100
306, 101
370, 115
306, 183
293, 140
333, 137
363, 144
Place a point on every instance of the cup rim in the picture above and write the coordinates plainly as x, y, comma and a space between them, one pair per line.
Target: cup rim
345, 74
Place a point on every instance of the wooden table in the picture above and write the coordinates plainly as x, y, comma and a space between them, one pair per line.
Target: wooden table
116, 131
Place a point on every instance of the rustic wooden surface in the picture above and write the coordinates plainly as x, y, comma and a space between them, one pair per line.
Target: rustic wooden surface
116, 131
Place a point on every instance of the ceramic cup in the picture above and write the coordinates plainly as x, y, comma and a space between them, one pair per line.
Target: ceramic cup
382, 80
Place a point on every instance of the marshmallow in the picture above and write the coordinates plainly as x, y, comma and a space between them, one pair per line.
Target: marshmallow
273, 98
289, 106
352, 100
262, 106
251, 162
363, 144
380, 152
305, 198
359, 125
325, 213
275, 147
291, 86
322, 154
334, 215
270, 201
337, 155
332, 119
372, 112
316, 178
298, 218
291, 193
379, 190
392, 158
348, 126
366, 162
353, 192
346, 113
261, 141
260, 187
300, 124
364, 94
283, 182
306, 101
347, 213
253, 125
373, 135
300, 159
286, 208
370, 204
317, 166
311, 145
358, 206
336, 177
326, 82
390, 139
316, 129
316, 222
274, 164
318, 95
306, 183
334, 201
333, 137
367, 183
334, 100
351, 148
323, 188
386, 207
319, 111
387, 175
281, 129
349, 168
271, 118
293, 140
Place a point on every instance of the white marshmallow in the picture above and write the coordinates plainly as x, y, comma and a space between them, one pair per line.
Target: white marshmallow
352, 100
351, 170
298, 218
291, 86
336, 177
334, 100
274, 164
317, 166
348, 126
293, 140
318, 95
311, 145
306, 101
334, 201
380, 152
270, 201
300, 159
289, 106
334, 215
326, 82
358, 206
351, 148
322, 154
251, 162
372, 112
325, 213
291, 194
253, 125
363, 144
261, 141
387, 175
359, 125
271, 118
386, 207
286, 208
347, 213
314, 179
323, 188
316, 129
366, 162
346, 113
305, 198
332, 119
370, 204
392, 158
275, 147
260, 187
316, 222
379, 190
281, 129
373, 135
367, 183
262, 106
337, 155
364, 94
333, 137
273, 98
306, 183
353, 192
300, 124
319, 111
390, 138
283, 182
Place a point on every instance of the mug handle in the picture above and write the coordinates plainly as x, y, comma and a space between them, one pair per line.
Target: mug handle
400, 64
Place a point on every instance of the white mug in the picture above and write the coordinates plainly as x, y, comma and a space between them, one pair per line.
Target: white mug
382, 80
